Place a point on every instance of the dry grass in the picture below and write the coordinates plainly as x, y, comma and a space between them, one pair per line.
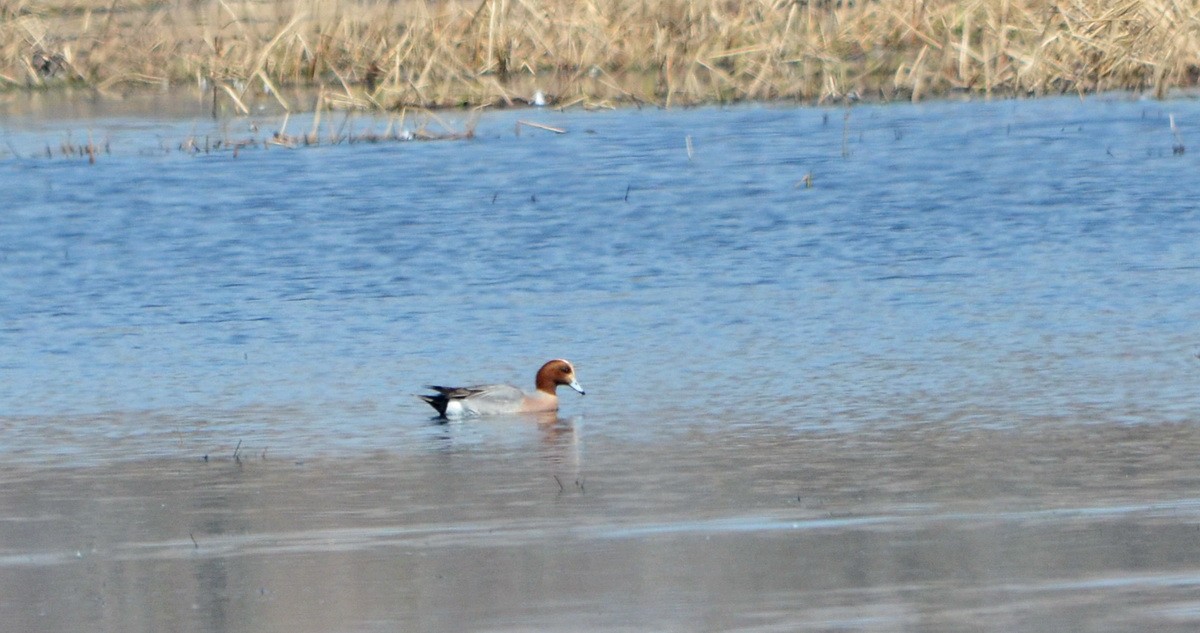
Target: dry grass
442, 53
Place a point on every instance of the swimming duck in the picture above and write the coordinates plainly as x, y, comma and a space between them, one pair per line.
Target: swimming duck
454, 402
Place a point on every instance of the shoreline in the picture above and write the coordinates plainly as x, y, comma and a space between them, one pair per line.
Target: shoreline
56, 125
187, 103
454, 54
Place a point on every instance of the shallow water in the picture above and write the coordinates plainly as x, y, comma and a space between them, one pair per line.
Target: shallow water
946, 387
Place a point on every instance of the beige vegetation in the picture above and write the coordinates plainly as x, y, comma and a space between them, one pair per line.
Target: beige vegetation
414, 53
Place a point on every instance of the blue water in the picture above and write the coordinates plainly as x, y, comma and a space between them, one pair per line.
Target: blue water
948, 386
988, 262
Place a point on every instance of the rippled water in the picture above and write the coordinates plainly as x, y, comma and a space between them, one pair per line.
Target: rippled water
948, 386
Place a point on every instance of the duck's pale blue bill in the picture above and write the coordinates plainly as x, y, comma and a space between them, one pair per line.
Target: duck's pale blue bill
574, 384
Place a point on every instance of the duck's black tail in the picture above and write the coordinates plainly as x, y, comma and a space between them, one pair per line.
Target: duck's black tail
438, 402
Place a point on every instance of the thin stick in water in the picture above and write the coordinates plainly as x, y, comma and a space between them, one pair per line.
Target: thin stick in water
540, 126
1178, 147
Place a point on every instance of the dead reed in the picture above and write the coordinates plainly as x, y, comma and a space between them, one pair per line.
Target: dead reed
320, 129
336, 133
381, 54
69, 148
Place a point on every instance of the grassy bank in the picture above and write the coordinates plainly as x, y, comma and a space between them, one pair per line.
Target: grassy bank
409, 53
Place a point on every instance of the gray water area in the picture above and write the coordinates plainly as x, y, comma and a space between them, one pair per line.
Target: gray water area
892, 368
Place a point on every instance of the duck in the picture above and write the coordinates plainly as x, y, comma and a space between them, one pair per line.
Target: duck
457, 402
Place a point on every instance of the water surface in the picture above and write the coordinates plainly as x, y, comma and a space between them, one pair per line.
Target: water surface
948, 386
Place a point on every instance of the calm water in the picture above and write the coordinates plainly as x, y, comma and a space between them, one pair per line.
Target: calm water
948, 387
